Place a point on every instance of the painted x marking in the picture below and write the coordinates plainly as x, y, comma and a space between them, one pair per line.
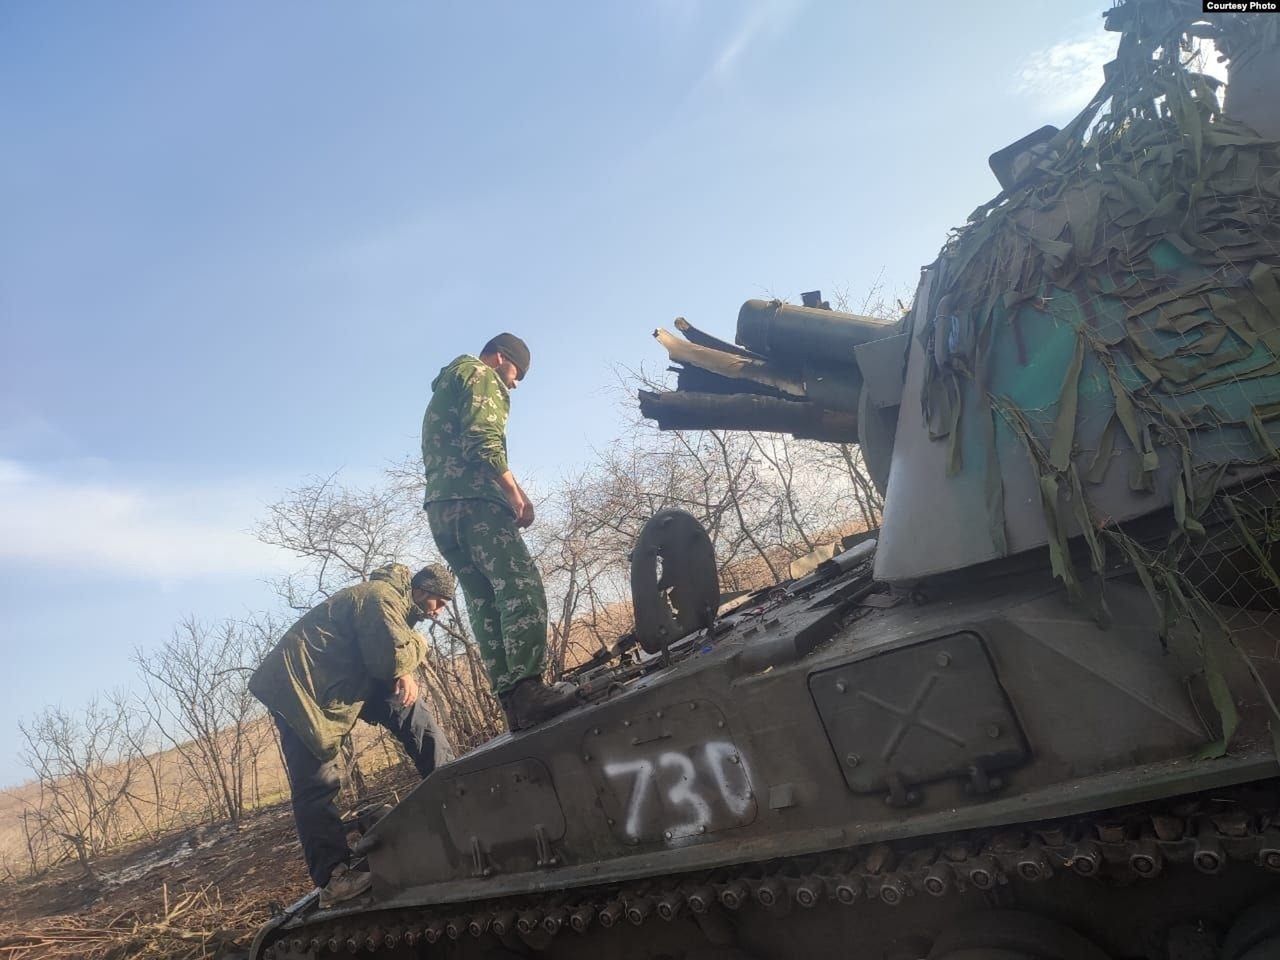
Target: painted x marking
910, 717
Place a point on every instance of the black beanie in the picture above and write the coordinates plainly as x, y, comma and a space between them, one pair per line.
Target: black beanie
513, 348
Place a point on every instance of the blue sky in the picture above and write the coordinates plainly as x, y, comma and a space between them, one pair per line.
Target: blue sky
238, 240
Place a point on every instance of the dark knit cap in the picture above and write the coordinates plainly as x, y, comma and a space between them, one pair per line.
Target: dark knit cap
436, 579
513, 348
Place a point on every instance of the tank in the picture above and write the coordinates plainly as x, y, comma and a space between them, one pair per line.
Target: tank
1029, 718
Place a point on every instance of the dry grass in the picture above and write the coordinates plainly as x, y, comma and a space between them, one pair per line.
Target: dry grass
198, 893
196, 924
181, 802
182, 898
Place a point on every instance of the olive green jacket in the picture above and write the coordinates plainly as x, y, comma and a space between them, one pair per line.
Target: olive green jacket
319, 674
464, 433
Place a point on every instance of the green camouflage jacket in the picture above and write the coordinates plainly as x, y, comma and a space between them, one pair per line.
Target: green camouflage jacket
464, 433
329, 662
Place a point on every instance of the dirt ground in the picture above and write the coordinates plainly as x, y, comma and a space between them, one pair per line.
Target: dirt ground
195, 894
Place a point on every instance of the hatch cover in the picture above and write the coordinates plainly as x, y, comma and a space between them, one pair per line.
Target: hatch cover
926, 712
508, 804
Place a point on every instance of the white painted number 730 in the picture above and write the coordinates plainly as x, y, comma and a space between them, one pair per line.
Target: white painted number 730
687, 808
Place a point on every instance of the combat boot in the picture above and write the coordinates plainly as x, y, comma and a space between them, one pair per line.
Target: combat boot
344, 884
531, 702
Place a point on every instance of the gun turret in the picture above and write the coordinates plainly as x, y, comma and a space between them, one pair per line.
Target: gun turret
1092, 356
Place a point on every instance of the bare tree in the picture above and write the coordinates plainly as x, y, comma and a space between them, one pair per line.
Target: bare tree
35, 835
85, 766
457, 683
198, 695
576, 549
342, 534
156, 804
862, 493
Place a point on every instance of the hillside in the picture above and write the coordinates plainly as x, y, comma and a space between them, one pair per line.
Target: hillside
193, 893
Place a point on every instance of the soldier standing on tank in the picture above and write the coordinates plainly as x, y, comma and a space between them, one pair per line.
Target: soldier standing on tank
476, 510
353, 656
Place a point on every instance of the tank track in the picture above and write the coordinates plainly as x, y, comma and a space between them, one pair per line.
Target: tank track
1209, 833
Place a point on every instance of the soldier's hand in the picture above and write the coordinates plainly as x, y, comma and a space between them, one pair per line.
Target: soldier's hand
405, 689
519, 503
526, 518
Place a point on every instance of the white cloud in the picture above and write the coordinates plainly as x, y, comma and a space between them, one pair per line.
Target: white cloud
1064, 77
170, 535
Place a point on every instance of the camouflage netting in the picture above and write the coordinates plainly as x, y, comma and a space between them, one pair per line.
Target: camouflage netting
1141, 265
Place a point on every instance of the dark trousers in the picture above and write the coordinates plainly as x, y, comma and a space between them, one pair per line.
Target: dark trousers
315, 783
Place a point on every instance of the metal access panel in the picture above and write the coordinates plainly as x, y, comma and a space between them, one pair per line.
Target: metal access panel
515, 803
883, 365
922, 713
670, 775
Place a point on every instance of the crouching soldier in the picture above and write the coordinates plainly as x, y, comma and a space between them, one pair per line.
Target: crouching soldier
355, 656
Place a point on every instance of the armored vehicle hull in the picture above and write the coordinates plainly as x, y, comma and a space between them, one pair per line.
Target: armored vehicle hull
843, 772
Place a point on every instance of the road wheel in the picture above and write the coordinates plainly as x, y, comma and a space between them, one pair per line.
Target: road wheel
1255, 935
1010, 935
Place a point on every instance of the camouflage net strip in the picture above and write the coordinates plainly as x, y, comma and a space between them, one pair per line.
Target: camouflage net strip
1153, 238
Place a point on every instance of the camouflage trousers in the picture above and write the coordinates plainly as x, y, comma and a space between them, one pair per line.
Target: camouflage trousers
503, 589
